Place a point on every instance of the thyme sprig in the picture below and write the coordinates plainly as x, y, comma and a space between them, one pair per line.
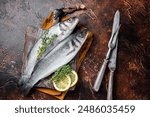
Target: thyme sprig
46, 41
61, 72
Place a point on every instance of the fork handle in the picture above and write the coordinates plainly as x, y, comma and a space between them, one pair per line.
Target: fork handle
110, 86
100, 76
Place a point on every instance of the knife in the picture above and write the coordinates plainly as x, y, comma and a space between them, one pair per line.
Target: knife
112, 68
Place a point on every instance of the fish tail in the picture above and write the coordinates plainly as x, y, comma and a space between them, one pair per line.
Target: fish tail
23, 80
26, 88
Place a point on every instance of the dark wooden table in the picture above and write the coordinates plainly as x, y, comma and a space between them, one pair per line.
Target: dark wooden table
132, 78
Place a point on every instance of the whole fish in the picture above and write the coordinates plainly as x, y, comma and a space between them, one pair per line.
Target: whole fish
62, 30
59, 56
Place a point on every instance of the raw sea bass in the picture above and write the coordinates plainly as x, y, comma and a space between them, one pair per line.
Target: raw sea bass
62, 30
59, 56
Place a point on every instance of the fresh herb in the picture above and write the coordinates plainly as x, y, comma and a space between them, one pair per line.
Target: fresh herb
45, 42
61, 72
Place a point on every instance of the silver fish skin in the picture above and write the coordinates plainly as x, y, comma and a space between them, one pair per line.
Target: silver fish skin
63, 30
58, 57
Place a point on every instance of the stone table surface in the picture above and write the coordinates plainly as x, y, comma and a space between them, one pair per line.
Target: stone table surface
132, 77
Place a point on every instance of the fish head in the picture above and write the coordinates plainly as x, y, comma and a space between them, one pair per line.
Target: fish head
78, 39
82, 35
57, 13
70, 23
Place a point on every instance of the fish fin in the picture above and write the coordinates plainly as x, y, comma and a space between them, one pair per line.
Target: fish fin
23, 80
26, 88
20, 82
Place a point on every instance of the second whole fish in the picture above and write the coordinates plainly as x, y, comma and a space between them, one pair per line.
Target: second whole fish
59, 56
62, 30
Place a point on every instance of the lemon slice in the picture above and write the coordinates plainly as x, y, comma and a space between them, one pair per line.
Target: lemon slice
74, 78
63, 84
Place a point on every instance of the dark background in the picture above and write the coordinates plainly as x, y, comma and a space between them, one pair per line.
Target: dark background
132, 77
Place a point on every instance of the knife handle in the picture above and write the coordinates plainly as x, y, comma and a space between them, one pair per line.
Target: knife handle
110, 86
100, 76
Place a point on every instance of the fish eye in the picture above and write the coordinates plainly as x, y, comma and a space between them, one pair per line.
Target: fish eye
70, 20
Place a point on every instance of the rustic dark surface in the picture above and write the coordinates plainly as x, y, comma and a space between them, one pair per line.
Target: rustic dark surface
132, 78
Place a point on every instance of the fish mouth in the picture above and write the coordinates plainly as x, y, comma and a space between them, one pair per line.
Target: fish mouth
76, 20
57, 13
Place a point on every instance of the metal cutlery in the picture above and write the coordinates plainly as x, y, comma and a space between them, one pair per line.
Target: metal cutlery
110, 58
112, 68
